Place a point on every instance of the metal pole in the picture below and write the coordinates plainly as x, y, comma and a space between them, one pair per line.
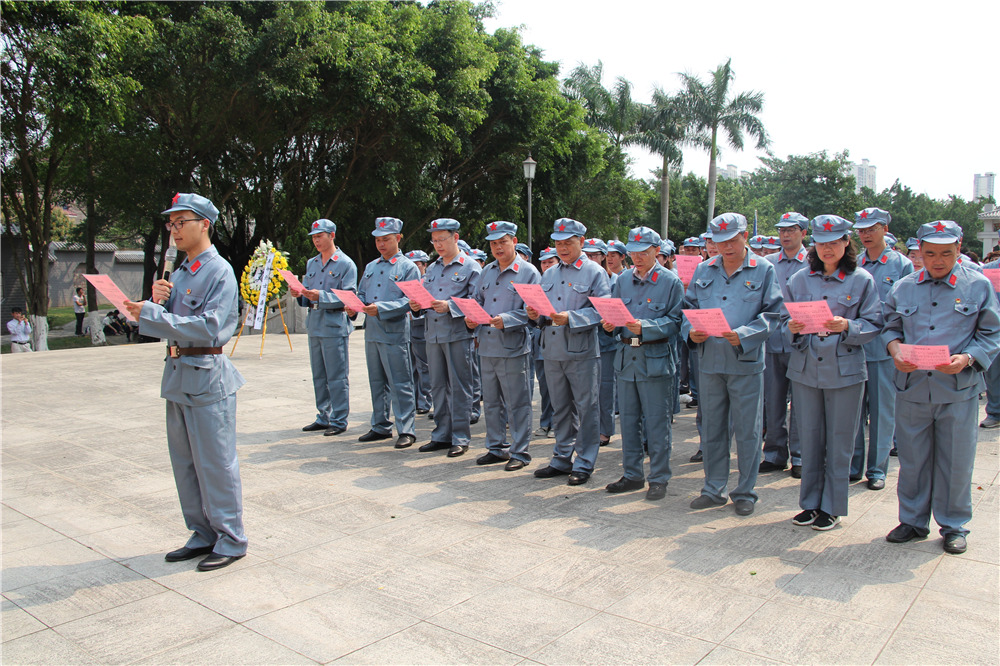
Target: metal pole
532, 249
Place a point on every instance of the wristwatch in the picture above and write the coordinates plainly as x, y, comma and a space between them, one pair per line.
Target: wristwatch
972, 360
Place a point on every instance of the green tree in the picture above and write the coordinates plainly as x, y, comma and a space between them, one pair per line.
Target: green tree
712, 107
811, 184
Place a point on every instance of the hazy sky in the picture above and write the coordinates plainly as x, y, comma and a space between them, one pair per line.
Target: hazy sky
911, 88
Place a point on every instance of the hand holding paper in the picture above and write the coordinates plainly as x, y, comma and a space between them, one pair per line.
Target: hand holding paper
710, 321
612, 310
534, 297
415, 290
110, 291
349, 299
293, 282
925, 357
814, 314
472, 310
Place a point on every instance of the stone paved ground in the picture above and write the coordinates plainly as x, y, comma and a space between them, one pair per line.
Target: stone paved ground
363, 554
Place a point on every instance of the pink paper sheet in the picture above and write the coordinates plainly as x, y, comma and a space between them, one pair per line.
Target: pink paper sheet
472, 310
290, 278
814, 314
612, 310
110, 291
685, 267
925, 357
993, 275
349, 298
710, 321
415, 291
534, 297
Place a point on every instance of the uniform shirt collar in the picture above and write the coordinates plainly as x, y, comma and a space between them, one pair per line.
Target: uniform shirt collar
391, 260
577, 263
799, 256
951, 279
840, 275
514, 266
882, 258
460, 258
203, 258
651, 277
750, 260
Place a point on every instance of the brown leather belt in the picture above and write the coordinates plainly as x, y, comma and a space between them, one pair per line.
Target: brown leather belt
174, 351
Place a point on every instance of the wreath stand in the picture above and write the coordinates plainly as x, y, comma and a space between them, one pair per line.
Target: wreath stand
263, 334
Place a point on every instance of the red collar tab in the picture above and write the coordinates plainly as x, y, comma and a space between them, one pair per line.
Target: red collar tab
654, 277
841, 275
801, 255
393, 260
461, 259
884, 258
922, 276
752, 262
516, 266
713, 260
336, 257
953, 279
195, 266
578, 262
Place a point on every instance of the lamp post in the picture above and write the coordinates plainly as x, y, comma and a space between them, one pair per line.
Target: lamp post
529, 175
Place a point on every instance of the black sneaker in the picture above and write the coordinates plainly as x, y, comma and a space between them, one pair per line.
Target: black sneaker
807, 517
825, 521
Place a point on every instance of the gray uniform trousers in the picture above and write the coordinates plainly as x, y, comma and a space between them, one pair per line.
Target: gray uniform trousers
880, 396
576, 419
740, 396
826, 432
992, 377
202, 445
505, 386
606, 397
646, 407
545, 419
329, 362
782, 443
390, 377
937, 446
451, 383
418, 359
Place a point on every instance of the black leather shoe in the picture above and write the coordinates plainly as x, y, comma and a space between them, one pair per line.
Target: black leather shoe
549, 472
796, 471
693, 404
856, 477
457, 450
705, 501
768, 466
423, 411
697, 457
185, 553
605, 442
474, 420
490, 458
514, 464
434, 446
334, 430
903, 533
405, 441
312, 427
876, 484
372, 436
624, 485
744, 507
954, 544
657, 491
577, 478
893, 452
216, 561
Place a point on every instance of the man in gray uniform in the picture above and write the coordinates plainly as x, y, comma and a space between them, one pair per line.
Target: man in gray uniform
992, 419
644, 363
879, 405
731, 380
571, 354
197, 318
504, 346
449, 340
328, 327
387, 335
418, 345
781, 442
947, 304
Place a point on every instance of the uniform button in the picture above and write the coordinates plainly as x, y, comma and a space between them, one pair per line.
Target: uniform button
928, 374
820, 359
932, 328
825, 297
378, 285
934, 303
563, 282
494, 300
723, 298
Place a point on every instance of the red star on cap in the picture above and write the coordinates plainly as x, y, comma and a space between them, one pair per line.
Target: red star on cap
381, 223
723, 225
592, 241
493, 227
562, 227
828, 226
864, 214
785, 216
939, 227
315, 224
638, 236
176, 197
434, 225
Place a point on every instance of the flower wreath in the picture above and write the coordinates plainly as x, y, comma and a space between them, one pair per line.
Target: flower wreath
252, 274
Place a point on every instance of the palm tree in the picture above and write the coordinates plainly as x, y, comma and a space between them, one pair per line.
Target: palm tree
710, 108
611, 111
663, 130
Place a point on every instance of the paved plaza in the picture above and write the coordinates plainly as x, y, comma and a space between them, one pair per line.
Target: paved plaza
360, 553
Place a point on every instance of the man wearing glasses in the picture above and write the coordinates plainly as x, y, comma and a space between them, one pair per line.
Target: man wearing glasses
196, 313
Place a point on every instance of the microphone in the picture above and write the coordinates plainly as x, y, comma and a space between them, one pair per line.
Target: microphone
169, 260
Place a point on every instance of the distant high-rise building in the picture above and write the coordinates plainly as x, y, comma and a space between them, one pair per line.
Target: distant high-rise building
729, 173
864, 176
982, 186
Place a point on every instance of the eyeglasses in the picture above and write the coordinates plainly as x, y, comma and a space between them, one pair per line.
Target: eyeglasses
175, 225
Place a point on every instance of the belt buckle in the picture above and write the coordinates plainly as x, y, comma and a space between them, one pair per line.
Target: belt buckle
172, 350
634, 342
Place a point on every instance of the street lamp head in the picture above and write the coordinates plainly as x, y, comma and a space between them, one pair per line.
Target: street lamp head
529, 168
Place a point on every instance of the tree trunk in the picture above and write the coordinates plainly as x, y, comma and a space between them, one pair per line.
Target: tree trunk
665, 199
90, 232
712, 176
96, 330
39, 332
